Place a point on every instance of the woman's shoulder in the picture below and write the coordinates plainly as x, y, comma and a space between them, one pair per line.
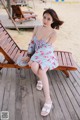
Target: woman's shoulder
36, 28
39, 26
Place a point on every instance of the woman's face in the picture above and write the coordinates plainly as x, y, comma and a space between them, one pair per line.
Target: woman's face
47, 19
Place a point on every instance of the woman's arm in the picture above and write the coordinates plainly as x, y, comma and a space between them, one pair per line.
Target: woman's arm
34, 31
31, 46
52, 38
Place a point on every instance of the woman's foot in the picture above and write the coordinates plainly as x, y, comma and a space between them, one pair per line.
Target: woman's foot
39, 85
46, 109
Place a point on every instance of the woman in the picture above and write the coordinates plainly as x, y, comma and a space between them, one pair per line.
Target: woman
41, 56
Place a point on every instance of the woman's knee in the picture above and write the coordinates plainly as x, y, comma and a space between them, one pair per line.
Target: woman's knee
35, 66
30, 63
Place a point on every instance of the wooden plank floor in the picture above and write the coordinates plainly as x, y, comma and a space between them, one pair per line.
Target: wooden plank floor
19, 96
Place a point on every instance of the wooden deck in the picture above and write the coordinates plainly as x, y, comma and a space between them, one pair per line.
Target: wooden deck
7, 23
19, 96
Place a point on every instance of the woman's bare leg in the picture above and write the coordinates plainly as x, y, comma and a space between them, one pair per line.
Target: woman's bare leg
42, 76
34, 66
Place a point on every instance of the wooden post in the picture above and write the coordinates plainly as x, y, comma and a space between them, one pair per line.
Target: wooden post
8, 5
10, 16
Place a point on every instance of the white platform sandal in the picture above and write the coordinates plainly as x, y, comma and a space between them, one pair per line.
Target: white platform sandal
39, 85
46, 109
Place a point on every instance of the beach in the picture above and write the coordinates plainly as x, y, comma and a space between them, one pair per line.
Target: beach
68, 36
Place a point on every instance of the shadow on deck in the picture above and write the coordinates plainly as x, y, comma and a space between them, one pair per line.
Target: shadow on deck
19, 96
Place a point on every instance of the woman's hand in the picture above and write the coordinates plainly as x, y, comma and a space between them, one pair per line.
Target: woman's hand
26, 59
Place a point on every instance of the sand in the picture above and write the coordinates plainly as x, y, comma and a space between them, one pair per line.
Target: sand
68, 37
